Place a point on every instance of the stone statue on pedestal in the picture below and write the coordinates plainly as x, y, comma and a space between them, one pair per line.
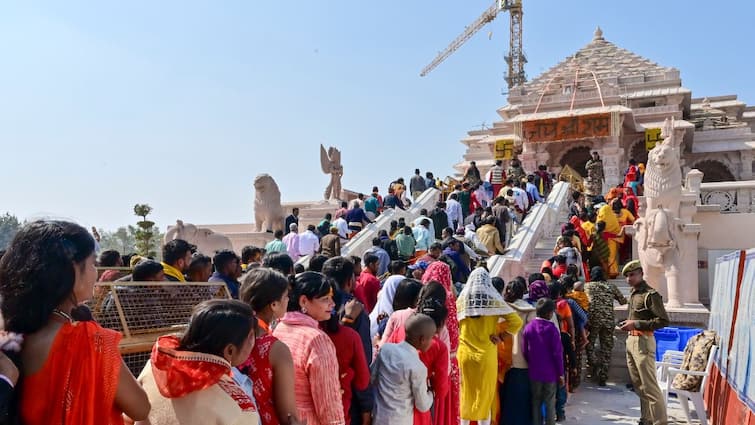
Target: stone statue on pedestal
268, 211
331, 164
207, 241
658, 228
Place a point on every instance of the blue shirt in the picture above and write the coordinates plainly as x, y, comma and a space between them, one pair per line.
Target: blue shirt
422, 236
532, 190
233, 285
383, 257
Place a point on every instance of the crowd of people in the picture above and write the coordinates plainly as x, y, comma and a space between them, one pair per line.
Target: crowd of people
415, 331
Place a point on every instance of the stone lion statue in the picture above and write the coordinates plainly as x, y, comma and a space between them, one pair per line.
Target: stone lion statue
657, 228
268, 212
207, 241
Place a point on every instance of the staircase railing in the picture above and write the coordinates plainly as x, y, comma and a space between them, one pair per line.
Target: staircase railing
362, 241
541, 219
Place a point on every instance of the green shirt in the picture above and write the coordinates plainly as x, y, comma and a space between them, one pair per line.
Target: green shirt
276, 245
464, 198
405, 245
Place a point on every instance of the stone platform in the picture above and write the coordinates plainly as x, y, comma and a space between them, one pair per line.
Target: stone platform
243, 234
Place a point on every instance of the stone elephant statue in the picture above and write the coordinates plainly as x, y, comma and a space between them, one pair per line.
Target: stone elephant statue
206, 241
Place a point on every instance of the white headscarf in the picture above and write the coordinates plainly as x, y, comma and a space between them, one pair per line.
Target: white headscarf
480, 298
384, 301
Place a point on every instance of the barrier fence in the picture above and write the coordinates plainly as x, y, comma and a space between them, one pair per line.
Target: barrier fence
730, 394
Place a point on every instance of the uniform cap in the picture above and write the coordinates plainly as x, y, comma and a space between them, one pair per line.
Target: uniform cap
631, 266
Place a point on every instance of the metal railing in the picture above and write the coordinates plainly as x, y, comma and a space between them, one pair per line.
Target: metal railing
541, 219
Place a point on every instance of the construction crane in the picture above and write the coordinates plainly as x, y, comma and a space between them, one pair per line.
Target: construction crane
515, 59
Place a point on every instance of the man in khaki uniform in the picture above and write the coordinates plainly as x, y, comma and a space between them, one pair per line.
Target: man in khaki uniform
646, 314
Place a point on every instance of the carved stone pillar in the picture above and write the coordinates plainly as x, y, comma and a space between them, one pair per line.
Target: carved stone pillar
541, 157
613, 159
528, 157
688, 287
746, 158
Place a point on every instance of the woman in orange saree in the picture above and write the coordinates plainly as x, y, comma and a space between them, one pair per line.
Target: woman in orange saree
72, 372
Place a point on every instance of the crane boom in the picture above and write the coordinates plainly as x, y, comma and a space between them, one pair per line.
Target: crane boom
483, 20
515, 59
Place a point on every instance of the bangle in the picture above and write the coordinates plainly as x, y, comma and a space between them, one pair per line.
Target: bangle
347, 319
8, 380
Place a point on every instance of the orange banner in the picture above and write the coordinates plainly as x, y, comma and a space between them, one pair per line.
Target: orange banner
566, 128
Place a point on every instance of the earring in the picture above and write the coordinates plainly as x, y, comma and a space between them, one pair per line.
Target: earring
304, 310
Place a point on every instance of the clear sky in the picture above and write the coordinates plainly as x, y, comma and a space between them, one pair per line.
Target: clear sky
180, 104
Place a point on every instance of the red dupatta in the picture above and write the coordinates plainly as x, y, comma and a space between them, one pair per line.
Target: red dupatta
178, 373
78, 381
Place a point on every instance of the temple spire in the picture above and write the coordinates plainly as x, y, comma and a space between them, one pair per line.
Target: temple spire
598, 35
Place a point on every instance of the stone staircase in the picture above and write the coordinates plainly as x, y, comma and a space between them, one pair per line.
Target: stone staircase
544, 250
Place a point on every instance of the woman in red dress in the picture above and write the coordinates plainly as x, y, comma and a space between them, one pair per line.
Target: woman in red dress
440, 272
436, 360
269, 366
352, 364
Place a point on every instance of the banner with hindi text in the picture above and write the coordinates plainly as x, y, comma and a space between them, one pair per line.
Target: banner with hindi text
567, 128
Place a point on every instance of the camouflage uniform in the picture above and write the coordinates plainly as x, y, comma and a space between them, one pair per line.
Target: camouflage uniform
594, 181
602, 323
516, 173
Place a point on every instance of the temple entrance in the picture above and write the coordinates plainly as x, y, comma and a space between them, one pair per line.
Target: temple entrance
714, 171
576, 158
639, 153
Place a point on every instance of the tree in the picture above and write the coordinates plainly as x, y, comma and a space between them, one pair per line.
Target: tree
9, 226
122, 240
145, 232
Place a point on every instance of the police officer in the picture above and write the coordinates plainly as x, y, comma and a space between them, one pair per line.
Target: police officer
602, 322
646, 314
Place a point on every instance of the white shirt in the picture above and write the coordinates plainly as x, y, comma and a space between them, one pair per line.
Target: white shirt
453, 211
309, 243
400, 380
471, 236
342, 226
521, 198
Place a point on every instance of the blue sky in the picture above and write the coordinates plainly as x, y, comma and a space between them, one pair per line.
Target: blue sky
180, 104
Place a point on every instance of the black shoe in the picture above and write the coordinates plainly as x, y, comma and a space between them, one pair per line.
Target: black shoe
560, 417
601, 382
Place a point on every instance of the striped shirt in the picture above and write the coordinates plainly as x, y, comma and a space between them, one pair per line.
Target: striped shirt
317, 386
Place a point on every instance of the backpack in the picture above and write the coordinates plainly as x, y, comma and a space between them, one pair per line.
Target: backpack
389, 245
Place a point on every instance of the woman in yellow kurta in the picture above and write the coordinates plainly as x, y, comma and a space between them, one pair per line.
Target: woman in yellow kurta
479, 309
625, 218
613, 237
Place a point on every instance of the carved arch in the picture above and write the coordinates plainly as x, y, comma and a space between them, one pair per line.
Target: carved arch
576, 156
638, 152
714, 170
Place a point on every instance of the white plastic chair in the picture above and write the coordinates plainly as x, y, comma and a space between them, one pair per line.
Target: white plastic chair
696, 397
671, 358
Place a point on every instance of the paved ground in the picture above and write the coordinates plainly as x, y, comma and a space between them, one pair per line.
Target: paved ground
613, 404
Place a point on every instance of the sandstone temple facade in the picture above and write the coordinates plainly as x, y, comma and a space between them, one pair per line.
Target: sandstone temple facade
607, 99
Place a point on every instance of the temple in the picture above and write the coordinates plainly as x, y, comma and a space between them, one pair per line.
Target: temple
607, 99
